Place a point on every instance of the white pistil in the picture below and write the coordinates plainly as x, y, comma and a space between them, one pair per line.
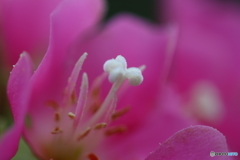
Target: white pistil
118, 73
117, 69
134, 75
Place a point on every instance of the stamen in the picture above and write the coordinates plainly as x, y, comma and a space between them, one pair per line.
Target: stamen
82, 99
73, 97
53, 104
92, 156
96, 85
74, 76
142, 67
95, 90
71, 115
120, 113
115, 130
56, 130
95, 106
57, 117
84, 134
100, 125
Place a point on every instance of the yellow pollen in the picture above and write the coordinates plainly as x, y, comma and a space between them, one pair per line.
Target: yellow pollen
92, 156
116, 130
120, 113
71, 115
56, 130
57, 117
100, 125
84, 134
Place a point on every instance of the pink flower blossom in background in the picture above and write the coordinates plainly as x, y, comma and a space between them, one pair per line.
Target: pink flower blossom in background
25, 25
63, 117
205, 69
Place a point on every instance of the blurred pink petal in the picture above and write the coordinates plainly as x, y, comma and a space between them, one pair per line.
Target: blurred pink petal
208, 51
195, 142
25, 25
18, 93
71, 19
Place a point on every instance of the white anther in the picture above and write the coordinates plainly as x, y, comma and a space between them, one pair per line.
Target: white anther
134, 75
117, 69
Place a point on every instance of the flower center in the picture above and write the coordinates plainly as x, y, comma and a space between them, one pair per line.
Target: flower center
205, 103
83, 122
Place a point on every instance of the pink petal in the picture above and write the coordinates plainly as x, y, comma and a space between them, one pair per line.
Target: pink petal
25, 25
18, 93
195, 142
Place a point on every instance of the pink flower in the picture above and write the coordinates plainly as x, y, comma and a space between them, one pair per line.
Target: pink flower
206, 65
181, 145
65, 122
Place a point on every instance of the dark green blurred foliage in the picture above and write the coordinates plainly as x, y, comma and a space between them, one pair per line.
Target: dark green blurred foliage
24, 152
144, 8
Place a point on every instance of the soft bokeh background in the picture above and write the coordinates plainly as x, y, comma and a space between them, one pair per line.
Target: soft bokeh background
147, 9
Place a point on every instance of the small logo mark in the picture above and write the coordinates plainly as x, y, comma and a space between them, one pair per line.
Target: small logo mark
212, 153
